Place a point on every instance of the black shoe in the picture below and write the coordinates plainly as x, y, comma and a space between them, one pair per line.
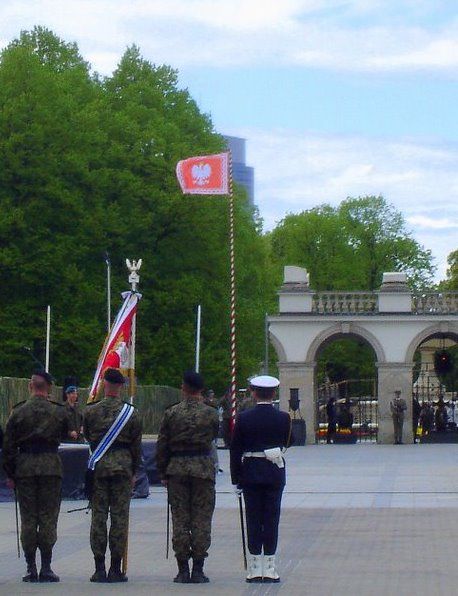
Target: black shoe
47, 575
183, 576
100, 575
32, 573
115, 575
197, 575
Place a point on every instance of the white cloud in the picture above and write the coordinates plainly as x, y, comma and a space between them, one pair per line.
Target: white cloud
295, 172
429, 223
312, 33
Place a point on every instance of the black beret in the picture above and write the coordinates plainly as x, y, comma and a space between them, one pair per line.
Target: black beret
40, 372
113, 375
194, 380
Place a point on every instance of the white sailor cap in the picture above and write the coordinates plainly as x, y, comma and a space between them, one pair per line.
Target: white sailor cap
265, 381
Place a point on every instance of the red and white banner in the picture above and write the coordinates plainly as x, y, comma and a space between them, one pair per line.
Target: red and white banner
116, 351
205, 175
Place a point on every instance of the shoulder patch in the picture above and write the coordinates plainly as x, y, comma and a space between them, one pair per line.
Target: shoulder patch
19, 403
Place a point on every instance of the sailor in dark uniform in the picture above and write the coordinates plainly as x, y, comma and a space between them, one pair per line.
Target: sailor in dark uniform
258, 470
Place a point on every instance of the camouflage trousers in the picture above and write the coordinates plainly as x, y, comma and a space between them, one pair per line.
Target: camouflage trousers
111, 495
192, 501
39, 505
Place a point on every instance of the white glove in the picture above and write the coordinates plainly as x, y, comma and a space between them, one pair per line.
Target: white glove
237, 491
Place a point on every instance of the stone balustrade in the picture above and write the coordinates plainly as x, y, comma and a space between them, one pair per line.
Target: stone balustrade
435, 303
344, 302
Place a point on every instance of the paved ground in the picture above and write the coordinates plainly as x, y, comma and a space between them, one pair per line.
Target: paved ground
366, 520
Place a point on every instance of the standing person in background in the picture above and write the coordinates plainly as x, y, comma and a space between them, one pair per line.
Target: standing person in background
247, 402
331, 413
210, 400
70, 398
398, 407
226, 405
114, 475
258, 470
185, 466
33, 467
416, 411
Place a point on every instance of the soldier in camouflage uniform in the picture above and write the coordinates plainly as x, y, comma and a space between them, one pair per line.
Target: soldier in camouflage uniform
33, 467
185, 466
114, 477
70, 398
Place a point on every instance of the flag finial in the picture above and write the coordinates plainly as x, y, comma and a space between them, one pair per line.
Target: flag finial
134, 278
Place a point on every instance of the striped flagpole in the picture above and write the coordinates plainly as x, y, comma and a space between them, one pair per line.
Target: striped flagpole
232, 307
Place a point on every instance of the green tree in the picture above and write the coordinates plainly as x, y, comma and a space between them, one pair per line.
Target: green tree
350, 246
451, 283
48, 139
88, 166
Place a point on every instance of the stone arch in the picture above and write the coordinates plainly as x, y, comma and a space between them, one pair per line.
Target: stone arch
278, 347
439, 328
346, 329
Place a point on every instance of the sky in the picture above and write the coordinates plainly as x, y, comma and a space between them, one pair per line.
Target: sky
335, 98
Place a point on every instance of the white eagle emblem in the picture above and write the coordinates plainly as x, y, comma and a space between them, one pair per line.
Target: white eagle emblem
201, 174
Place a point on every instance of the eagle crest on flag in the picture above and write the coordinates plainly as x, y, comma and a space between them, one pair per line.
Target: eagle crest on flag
201, 173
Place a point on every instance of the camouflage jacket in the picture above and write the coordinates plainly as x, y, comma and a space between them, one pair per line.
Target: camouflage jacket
76, 418
34, 424
188, 427
97, 419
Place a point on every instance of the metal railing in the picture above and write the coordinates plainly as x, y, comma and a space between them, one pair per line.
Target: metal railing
357, 411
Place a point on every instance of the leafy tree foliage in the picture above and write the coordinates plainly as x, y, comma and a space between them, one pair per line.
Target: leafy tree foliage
88, 166
451, 283
350, 246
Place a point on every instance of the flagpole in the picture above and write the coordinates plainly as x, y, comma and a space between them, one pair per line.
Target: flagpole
199, 311
232, 301
134, 279
48, 336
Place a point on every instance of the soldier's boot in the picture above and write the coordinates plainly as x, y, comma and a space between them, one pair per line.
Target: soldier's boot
197, 575
100, 574
32, 573
46, 573
270, 574
254, 568
183, 576
115, 575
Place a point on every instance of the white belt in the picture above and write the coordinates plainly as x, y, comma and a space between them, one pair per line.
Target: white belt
254, 454
274, 455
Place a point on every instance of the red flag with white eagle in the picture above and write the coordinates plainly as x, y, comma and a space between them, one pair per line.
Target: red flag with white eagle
205, 175
116, 351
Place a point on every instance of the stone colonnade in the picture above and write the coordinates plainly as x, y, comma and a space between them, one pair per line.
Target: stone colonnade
387, 320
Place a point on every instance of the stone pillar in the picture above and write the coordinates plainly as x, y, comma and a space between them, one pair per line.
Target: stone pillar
394, 376
299, 375
394, 295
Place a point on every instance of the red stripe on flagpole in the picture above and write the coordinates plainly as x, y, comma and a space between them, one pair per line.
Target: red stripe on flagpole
233, 304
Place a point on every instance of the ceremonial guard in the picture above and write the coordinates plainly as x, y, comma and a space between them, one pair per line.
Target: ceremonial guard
398, 407
114, 431
258, 470
184, 463
34, 469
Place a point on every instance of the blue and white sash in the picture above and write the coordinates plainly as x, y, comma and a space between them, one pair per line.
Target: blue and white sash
111, 435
